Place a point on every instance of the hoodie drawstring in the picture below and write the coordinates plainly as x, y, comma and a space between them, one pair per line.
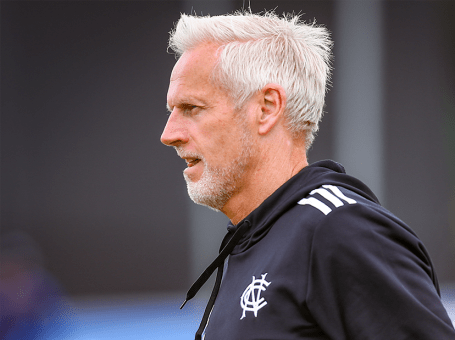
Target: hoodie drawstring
228, 244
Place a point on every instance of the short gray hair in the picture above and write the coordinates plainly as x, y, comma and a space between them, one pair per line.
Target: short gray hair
261, 49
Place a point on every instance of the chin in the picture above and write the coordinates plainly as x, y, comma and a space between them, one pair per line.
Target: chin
208, 191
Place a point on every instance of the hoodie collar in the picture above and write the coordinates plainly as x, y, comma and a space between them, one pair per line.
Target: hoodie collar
286, 196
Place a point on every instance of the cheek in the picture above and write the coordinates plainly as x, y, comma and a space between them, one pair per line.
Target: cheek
220, 140
216, 138
230, 149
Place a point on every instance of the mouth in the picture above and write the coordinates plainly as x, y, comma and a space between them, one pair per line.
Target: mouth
190, 162
191, 158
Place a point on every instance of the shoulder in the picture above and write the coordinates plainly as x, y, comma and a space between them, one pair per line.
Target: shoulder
354, 233
344, 220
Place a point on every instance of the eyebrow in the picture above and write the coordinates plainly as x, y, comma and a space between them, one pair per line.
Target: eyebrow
184, 104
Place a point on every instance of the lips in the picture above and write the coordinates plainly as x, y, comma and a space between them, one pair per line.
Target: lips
191, 158
192, 162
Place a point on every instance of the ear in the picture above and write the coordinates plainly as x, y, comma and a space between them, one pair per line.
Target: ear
273, 104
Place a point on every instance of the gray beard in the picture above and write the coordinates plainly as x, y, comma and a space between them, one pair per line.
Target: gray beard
217, 185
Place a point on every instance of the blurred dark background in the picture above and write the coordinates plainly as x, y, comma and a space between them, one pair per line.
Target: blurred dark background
83, 94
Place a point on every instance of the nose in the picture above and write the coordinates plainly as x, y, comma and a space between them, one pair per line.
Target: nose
174, 133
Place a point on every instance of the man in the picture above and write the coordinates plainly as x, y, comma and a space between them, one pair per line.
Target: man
310, 253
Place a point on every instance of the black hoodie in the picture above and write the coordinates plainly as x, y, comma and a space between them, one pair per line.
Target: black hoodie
321, 259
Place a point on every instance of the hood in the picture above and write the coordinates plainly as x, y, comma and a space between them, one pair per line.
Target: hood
255, 226
284, 198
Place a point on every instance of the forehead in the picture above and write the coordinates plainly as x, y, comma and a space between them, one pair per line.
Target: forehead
192, 72
200, 60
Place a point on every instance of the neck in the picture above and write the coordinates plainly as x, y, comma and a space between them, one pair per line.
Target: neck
274, 167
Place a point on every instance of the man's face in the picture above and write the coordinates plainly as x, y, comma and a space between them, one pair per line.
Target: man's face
206, 130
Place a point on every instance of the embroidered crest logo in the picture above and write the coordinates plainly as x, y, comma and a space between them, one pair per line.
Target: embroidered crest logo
251, 300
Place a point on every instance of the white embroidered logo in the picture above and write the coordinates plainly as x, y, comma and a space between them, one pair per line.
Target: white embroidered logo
251, 300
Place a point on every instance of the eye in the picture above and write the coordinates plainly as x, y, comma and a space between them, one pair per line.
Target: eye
189, 109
